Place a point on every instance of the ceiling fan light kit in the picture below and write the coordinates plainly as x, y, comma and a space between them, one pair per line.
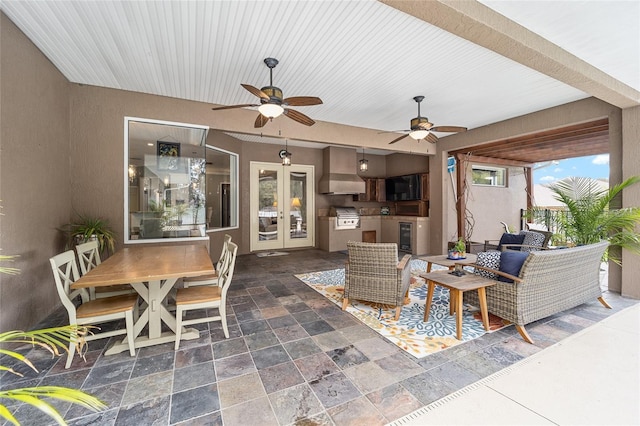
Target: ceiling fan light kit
419, 134
271, 110
272, 104
422, 128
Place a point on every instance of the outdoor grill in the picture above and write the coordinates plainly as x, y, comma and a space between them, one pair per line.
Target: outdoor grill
346, 217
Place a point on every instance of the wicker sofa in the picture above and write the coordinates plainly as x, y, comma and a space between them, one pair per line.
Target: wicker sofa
550, 281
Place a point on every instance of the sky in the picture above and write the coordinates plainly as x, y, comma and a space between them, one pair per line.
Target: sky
594, 166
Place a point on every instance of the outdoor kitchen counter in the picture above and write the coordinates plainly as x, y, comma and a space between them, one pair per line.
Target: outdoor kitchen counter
386, 227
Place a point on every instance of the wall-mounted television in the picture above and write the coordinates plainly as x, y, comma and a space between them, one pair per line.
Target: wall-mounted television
403, 188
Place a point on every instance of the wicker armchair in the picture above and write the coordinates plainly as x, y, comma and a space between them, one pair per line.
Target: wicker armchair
550, 281
374, 274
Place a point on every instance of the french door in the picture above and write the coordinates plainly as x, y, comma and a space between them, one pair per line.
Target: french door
282, 206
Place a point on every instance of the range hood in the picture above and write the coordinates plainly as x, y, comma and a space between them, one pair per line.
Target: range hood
339, 175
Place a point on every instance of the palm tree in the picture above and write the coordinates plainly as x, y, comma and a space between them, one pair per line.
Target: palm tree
595, 214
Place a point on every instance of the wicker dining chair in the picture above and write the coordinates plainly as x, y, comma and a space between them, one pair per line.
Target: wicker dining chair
374, 274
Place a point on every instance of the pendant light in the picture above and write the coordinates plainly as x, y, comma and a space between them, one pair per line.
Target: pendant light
364, 164
285, 155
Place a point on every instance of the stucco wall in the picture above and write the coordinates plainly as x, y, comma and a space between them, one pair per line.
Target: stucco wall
488, 206
34, 175
631, 196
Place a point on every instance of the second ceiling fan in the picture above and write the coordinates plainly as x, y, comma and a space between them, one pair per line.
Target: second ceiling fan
273, 105
421, 128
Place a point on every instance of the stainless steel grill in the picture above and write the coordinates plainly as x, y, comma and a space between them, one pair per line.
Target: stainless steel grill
346, 217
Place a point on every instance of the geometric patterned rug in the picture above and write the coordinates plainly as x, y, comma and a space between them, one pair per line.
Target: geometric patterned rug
410, 332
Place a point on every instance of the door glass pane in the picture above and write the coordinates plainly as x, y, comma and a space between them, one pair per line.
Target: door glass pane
268, 205
298, 204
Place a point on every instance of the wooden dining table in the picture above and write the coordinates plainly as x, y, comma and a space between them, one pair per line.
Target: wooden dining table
152, 271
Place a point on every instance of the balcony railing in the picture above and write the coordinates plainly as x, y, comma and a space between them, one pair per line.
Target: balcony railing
549, 218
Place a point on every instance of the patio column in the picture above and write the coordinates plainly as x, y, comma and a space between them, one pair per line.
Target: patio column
461, 188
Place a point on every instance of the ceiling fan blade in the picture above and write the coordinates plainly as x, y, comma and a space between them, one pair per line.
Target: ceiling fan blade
299, 117
257, 92
234, 106
431, 138
449, 129
261, 120
398, 139
302, 101
394, 131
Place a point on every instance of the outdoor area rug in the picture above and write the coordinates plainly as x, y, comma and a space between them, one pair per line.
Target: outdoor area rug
410, 332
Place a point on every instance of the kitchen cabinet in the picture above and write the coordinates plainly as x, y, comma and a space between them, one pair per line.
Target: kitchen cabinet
412, 208
375, 190
424, 186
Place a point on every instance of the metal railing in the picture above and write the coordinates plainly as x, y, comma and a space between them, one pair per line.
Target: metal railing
550, 219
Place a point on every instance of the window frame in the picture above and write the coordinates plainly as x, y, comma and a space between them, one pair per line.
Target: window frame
482, 167
233, 176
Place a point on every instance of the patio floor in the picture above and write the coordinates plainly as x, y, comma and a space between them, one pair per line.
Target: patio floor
276, 368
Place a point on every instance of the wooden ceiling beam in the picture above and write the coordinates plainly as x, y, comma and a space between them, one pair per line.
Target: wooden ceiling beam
578, 140
496, 161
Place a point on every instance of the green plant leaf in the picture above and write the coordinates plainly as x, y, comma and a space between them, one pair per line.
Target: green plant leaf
6, 414
594, 214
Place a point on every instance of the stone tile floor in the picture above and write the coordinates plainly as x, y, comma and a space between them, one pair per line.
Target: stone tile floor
292, 357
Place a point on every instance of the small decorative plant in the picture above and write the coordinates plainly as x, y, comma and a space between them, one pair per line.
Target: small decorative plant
459, 250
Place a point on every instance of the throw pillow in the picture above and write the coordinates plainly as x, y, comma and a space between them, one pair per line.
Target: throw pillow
511, 262
488, 259
532, 238
511, 239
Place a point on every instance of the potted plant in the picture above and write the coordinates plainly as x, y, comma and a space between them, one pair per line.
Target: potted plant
86, 228
459, 250
595, 215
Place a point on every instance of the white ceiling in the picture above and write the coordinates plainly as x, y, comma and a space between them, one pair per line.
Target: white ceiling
366, 60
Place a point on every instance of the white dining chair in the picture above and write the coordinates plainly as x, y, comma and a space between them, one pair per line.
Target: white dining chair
205, 297
210, 279
89, 257
91, 312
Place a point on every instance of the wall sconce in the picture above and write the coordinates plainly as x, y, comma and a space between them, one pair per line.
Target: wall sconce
295, 203
364, 164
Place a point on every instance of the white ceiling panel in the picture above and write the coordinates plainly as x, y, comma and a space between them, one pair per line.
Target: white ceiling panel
365, 59
604, 33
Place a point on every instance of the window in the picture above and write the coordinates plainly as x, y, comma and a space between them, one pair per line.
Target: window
489, 176
176, 185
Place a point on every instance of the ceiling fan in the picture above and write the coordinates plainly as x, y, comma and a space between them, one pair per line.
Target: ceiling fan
271, 103
421, 128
